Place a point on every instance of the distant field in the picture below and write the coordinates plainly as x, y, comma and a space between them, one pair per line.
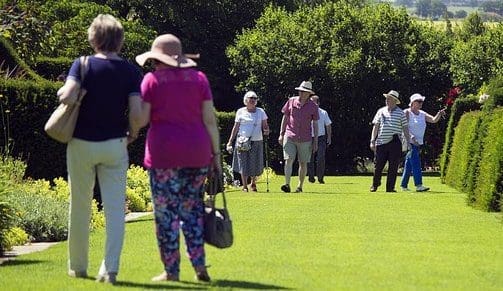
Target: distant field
453, 9
456, 24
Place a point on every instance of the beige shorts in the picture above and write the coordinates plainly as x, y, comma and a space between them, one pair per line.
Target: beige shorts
292, 149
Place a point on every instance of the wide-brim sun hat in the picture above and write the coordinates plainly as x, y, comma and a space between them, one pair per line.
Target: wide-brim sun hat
394, 94
416, 97
167, 49
305, 86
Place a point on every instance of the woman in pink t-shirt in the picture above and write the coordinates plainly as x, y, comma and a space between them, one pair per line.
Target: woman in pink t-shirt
182, 144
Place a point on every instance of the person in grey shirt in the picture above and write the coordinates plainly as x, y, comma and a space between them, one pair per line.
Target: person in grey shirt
324, 140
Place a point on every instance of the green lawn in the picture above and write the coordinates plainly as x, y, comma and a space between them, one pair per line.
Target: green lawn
331, 237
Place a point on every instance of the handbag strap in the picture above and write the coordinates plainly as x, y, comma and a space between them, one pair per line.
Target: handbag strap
84, 66
254, 123
223, 196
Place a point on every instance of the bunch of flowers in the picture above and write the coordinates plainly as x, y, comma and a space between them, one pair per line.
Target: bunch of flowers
452, 94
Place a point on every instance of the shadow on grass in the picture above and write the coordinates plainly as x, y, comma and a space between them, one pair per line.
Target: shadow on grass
141, 219
18, 262
200, 286
246, 285
163, 286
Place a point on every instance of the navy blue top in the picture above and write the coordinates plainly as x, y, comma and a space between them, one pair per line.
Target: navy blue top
103, 111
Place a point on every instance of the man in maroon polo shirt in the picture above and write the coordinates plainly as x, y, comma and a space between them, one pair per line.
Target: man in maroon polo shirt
295, 133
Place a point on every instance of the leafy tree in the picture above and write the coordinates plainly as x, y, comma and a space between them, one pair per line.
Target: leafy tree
493, 6
23, 29
472, 26
205, 27
423, 8
437, 8
460, 13
406, 3
478, 60
63, 29
353, 53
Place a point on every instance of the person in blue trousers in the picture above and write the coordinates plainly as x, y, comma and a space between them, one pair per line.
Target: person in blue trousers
417, 119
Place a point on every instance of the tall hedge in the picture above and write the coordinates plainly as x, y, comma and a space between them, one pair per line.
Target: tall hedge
9, 60
459, 107
52, 68
462, 150
489, 184
26, 106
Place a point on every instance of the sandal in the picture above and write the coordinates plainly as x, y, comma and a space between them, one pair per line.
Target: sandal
164, 276
253, 187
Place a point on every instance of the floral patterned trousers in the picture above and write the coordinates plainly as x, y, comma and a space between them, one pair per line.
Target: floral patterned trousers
177, 195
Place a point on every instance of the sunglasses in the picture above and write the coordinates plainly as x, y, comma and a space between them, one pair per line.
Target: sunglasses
253, 98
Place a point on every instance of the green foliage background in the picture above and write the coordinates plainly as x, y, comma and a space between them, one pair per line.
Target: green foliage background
353, 53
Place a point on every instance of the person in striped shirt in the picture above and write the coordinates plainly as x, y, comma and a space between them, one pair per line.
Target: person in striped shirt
389, 123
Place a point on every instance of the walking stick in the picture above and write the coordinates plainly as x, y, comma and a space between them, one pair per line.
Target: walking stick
267, 162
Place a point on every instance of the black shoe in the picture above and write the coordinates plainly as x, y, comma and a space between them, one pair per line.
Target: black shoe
321, 181
285, 188
311, 180
298, 190
373, 188
391, 191
203, 276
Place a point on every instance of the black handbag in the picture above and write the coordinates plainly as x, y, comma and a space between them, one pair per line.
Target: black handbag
217, 224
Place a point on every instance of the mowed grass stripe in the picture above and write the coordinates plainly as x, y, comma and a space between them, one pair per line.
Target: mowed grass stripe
332, 236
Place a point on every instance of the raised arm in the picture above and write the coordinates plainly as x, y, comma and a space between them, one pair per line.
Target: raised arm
436, 118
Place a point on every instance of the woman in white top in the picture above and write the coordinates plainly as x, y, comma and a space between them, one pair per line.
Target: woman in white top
250, 122
417, 125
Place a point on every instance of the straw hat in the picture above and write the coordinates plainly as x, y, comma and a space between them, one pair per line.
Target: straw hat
167, 49
305, 86
394, 94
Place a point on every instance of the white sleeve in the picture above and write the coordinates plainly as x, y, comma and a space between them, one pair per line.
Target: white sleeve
377, 117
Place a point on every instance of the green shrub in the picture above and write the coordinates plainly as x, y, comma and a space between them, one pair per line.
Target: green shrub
61, 190
462, 150
52, 68
14, 237
97, 217
461, 105
42, 217
27, 106
11, 61
135, 201
7, 217
495, 92
11, 170
225, 124
138, 181
489, 185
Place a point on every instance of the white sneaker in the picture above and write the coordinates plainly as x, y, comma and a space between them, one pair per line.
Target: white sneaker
405, 189
421, 188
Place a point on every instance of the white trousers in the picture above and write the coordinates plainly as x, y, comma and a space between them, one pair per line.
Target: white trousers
109, 160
